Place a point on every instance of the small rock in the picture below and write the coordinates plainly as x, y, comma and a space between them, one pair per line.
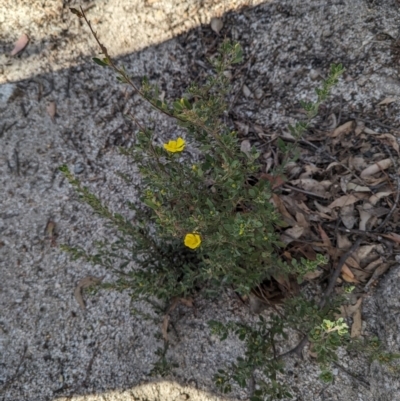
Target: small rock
246, 91
79, 168
314, 75
258, 93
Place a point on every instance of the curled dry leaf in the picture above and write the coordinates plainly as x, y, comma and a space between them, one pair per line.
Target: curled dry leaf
343, 129
387, 100
357, 324
20, 44
376, 197
376, 167
333, 164
216, 25
84, 283
391, 140
352, 186
392, 236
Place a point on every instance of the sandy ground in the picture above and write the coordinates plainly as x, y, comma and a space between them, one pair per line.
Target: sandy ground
49, 348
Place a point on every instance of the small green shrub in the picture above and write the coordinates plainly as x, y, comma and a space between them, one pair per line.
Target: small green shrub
206, 224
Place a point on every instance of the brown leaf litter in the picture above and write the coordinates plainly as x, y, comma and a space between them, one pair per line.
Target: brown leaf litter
330, 202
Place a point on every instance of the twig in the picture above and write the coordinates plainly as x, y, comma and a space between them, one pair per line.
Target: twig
337, 271
17, 372
376, 123
359, 379
303, 191
396, 202
243, 81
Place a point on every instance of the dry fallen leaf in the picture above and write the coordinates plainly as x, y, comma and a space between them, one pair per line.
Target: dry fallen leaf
343, 242
376, 167
295, 232
20, 44
312, 275
347, 216
321, 208
377, 273
387, 100
392, 236
376, 197
357, 324
357, 162
365, 216
343, 129
352, 186
314, 186
363, 252
245, 147
350, 310
301, 220
84, 283
346, 270
391, 140
287, 217
344, 200
349, 279
352, 262
187, 302
324, 236
51, 110
164, 327
216, 25
374, 265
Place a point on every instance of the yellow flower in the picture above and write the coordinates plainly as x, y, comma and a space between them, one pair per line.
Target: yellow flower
175, 146
192, 240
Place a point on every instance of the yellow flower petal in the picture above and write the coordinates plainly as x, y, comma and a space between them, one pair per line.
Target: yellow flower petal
192, 240
175, 146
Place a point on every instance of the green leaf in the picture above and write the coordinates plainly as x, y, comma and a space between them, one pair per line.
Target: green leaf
150, 204
103, 62
76, 12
